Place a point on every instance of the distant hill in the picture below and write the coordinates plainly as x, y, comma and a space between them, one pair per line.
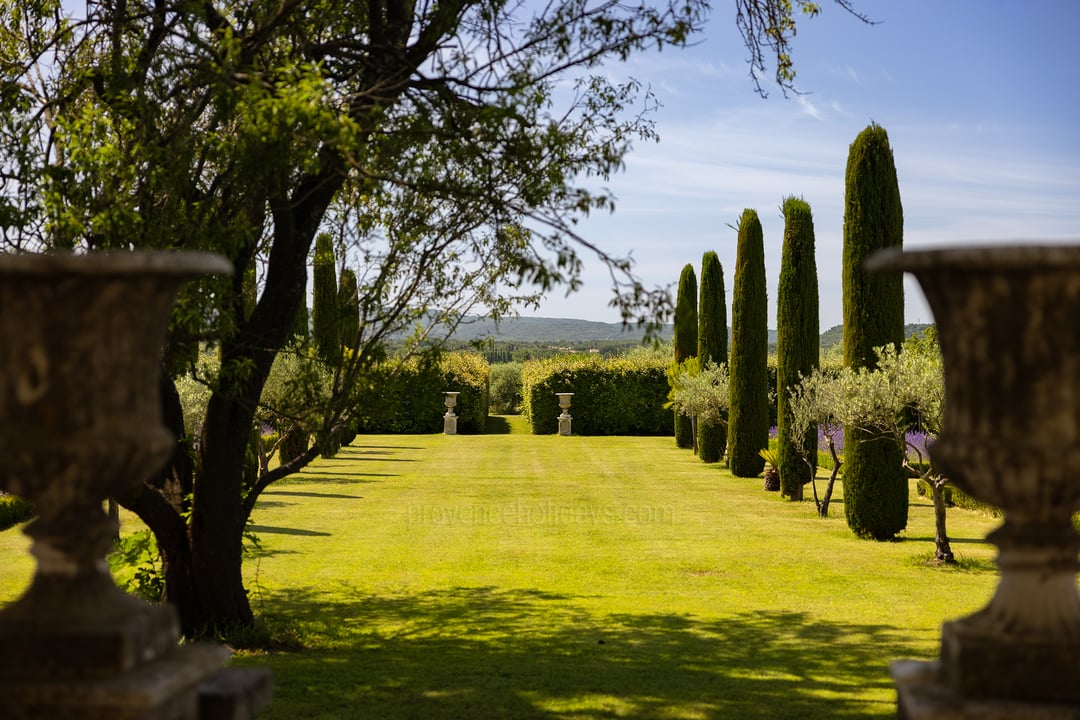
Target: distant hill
570, 332
550, 330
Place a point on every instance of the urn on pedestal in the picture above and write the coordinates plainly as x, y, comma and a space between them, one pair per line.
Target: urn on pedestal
564, 417
450, 419
80, 408
1008, 322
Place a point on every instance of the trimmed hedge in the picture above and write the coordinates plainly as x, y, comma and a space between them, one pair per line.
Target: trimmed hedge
614, 396
14, 510
955, 497
410, 401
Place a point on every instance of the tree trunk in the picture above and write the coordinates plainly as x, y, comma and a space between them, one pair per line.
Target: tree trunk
217, 514
942, 550
180, 589
217, 523
813, 484
823, 509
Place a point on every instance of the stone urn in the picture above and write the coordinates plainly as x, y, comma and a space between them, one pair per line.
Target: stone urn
564, 417
450, 419
80, 412
1008, 321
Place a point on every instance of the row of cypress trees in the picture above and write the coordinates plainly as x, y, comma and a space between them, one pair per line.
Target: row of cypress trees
875, 487
701, 332
335, 308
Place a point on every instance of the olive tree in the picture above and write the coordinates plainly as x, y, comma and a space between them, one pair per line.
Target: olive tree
442, 144
902, 396
700, 392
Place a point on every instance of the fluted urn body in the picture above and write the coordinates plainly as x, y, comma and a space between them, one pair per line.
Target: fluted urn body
1008, 321
80, 421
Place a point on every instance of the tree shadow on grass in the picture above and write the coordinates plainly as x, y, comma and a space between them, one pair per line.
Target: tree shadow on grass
291, 493
497, 426
375, 449
345, 478
522, 654
275, 530
357, 458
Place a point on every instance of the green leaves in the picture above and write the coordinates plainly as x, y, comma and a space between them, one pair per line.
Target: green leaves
701, 392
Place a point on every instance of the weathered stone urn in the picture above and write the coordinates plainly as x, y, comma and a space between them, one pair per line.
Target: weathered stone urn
1008, 321
80, 420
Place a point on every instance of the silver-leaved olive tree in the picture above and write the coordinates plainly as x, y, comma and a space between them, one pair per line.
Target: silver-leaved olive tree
445, 145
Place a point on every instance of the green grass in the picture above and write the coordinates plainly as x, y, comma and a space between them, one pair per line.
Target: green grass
520, 576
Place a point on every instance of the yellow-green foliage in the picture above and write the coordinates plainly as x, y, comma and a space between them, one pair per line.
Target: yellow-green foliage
410, 399
615, 396
14, 510
470, 374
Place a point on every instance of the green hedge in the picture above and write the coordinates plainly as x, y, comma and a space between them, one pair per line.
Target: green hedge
614, 396
14, 510
410, 400
955, 497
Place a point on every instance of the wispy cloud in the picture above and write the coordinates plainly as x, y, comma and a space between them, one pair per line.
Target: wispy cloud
676, 199
972, 166
847, 72
809, 108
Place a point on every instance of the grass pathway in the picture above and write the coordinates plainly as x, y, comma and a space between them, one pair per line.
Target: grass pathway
516, 576
520, 576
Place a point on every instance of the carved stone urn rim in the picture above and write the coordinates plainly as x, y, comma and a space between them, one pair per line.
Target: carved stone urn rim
114, 262
1063, 256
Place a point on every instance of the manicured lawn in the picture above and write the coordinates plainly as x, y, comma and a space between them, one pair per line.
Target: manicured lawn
520, 576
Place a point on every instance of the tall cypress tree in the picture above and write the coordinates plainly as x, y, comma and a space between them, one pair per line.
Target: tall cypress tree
875, 486
748, 416
685, 341
797, 340
349, 307
301, 328
325, 315
712, 347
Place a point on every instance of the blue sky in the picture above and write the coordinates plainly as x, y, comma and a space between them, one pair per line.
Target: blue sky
981, 100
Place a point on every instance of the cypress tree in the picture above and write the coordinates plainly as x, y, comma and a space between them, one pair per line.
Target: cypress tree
325, 316
712, 347
685, 341
302, 329
748, 416
349, 307
875, 486
797, 340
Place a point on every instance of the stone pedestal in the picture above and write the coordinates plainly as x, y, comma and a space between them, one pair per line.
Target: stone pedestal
923, 695
1008, 321
80, 344
450, 419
